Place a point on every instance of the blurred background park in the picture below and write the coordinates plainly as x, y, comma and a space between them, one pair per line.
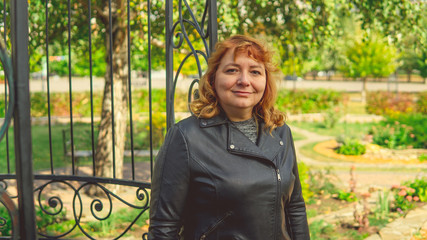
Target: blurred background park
352, 81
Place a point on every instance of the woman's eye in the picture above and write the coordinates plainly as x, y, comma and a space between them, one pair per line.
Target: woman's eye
231, 70
256, 72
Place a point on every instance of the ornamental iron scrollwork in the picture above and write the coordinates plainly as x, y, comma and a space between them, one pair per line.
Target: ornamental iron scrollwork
8, 72
180, 34
9, 218
53, 203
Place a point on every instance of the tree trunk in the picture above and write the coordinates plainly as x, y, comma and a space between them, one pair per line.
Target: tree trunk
109, 164
363, 90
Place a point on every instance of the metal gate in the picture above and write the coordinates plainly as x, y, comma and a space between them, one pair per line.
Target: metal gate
55, 196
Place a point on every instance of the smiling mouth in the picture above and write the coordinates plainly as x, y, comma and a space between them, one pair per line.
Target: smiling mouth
242, 93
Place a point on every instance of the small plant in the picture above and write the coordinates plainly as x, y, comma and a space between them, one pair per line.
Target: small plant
319, 228
346, 196
382, 209
49, 219
6, 223
403, 198
350, 147
408, 193
322, 182
351, 195
420, 187
361, 218
331, 116
423, 157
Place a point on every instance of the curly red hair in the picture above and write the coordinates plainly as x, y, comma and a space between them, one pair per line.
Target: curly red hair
207, 105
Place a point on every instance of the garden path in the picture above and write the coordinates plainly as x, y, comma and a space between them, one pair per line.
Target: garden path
374, 175
379, 176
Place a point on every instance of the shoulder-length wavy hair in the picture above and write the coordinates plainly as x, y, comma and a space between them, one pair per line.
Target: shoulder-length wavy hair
207, 105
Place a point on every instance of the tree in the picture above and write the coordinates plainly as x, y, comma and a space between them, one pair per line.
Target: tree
293, 27
422, 65
70, 25
369, 56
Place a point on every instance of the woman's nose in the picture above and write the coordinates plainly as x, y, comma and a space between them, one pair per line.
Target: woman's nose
243, 79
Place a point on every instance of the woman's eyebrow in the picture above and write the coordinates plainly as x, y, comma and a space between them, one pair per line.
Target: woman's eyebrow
238, 65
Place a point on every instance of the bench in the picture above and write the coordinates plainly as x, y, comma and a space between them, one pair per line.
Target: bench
78, 153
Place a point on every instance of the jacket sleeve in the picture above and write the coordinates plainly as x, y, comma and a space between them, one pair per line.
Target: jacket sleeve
170, 183
296, 210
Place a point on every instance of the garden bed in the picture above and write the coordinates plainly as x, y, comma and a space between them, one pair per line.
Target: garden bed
374, 154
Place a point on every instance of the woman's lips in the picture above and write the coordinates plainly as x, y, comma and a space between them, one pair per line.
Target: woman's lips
242, 93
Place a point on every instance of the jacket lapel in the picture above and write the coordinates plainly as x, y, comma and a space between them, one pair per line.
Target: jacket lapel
268, 147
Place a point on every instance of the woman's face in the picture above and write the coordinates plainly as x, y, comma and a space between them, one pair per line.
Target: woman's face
239, 83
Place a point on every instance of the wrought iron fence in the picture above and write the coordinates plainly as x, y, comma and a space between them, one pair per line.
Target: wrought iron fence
81, 183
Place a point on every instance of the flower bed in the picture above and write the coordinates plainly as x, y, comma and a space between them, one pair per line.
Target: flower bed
374, 154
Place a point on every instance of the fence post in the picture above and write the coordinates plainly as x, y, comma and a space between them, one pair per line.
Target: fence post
213, 25
170, 117
22, 123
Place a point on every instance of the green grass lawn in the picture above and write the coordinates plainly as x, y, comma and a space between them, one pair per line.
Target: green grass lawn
44, 153
353, 130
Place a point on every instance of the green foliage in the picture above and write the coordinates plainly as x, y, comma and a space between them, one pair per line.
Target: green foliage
346, 196
321, 182
371, 56
408, 193
116, 222
6, 227
331, 116
349, 146
307, 101
421, 104
304, 178
389, 103
423, 158
422, 63
319, 228
141, 138
49, 220
402, 131
60, 103
420, 186
403, 198
382, 209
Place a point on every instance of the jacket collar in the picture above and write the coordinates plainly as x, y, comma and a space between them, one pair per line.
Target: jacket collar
268, 146
237, 143
217, 120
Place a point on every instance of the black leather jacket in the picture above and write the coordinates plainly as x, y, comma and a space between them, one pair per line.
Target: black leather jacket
210, 179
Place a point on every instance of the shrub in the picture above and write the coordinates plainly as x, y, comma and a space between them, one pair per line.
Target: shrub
331, 116
307, 101
402, 131
304, 178
421, 104
408, 193
388, 103
141, 136
350, 147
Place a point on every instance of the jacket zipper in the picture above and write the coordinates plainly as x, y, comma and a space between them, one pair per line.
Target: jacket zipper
213, 227
279, 179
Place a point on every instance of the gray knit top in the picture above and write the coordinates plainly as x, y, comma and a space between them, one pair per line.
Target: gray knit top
249, 128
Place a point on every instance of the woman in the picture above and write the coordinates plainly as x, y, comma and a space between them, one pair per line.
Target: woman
229, 171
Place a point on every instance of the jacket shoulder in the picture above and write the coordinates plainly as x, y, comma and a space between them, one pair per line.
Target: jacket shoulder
188, 124
283, 130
